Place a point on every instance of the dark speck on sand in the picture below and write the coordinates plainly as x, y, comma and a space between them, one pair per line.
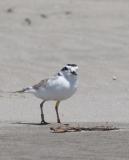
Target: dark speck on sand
9, 10
43, 16
68, 12
28, 21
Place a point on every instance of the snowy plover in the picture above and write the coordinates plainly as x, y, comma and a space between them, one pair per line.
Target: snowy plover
57, 88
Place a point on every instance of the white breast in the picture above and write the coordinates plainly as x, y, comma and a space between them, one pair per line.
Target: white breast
57, 89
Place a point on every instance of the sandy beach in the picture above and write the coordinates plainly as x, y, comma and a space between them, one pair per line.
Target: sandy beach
93, 34
31, 141
36, 39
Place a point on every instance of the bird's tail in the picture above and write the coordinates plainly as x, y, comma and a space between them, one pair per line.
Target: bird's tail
11, 93
24, 90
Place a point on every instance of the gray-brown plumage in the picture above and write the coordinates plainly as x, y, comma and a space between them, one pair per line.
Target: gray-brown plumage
42, 83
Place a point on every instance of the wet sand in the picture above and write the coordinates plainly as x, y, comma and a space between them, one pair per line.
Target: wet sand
31, 141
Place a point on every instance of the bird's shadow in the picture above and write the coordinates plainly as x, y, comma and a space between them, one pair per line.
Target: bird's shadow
38, 124
31, 123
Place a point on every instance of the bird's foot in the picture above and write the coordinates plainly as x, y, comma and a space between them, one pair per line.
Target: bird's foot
58, 121
44, 123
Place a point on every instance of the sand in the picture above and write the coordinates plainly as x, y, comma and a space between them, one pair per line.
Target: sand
31, 141
36, 39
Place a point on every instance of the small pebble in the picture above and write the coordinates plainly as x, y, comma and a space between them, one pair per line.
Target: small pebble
114, 78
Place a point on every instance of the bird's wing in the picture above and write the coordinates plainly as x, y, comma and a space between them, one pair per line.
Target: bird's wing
42, 83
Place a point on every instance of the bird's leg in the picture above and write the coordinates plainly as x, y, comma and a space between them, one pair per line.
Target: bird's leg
56, 108
42, 115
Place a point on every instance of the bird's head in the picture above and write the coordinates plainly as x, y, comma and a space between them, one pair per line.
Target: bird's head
69, 70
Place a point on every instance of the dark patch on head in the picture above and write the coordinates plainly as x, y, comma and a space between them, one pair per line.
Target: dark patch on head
72, 65
64, 69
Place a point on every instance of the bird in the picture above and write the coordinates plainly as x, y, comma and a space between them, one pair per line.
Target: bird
58, 87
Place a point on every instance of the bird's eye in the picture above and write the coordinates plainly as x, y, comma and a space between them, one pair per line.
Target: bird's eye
64, 69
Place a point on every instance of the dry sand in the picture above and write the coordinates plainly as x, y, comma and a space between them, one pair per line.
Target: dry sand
36, 39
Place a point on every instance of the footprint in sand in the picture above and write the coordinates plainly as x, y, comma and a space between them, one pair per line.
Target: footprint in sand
28, 21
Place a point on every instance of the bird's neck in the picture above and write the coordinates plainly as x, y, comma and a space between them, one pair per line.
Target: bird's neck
72, 80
